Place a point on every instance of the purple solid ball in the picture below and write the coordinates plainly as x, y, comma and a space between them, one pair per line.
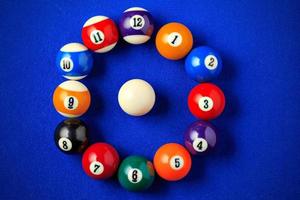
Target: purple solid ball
200, 137
136, 25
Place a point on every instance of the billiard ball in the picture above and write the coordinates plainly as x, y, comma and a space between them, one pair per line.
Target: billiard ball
172, 162
136, 97
100, 34
206, 101
71, 99
200, 137
100, 161
71, 136
136, 25
203, 64
136, 173
174, 41
74, 61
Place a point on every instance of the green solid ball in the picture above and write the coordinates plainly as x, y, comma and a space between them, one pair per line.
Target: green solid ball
136, 173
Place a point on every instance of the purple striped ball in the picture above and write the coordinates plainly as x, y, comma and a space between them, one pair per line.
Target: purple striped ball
136, 25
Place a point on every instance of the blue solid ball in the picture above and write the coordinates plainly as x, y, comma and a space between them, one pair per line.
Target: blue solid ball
203, 64
74, 61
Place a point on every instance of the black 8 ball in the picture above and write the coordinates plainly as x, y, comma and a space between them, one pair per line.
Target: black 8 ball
71, 136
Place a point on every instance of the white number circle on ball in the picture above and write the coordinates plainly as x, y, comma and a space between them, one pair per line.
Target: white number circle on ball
176, 162
96, 168
66, 64
174, 39
137, 22
205, 103
97, 37
134, 175
211, 62
65, 144
200, 144
71, 102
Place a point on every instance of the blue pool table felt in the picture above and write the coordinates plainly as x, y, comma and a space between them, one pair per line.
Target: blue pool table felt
257, 154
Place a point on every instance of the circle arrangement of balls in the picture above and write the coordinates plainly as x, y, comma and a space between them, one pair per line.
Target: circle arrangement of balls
136, 97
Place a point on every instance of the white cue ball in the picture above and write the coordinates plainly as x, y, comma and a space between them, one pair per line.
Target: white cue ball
136, 97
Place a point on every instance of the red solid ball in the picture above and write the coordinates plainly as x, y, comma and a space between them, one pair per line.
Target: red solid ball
206, 101
100, 161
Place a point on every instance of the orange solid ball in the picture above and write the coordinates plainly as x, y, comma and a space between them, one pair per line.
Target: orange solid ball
172, 162
174, 41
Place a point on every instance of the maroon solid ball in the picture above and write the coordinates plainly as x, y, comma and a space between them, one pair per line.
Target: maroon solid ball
100, 161
200, 137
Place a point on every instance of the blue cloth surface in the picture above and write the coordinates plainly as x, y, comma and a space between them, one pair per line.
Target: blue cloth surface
257, 154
